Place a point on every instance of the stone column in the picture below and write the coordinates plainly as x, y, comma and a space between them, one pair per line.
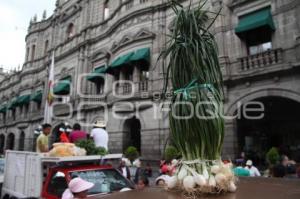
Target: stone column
230, 146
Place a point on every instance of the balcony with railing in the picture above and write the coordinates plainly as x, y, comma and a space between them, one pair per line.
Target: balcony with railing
124, 89
63, 107
260, 60
92, 102
143, 86
19, 117
128, 88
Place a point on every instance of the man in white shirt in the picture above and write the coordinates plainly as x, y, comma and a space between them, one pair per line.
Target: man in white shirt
252, 169
100, 135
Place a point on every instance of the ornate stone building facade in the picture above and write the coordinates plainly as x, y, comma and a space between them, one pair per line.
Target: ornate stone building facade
98, 42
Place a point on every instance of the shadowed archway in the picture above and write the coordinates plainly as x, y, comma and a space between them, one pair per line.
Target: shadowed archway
10, 143
279, 127
132, 134
22, 141
2, 143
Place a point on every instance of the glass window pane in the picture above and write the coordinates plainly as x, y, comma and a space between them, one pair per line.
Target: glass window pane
105, 181
267, 46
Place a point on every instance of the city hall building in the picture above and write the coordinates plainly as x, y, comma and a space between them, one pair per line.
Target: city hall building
106, 67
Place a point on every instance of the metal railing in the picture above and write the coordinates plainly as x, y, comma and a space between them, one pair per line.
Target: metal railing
143, 86
125, 88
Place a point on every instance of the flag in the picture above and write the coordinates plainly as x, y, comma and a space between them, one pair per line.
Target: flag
48, 113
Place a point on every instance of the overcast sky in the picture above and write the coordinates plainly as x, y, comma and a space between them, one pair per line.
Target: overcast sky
14, 20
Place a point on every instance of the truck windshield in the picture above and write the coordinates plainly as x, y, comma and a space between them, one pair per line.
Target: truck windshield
106, 180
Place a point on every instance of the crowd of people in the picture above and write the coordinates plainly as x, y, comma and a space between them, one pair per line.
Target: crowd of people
284, 168
67, 134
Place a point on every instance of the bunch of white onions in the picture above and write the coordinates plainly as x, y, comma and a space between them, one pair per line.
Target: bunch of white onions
213, 179
195, 73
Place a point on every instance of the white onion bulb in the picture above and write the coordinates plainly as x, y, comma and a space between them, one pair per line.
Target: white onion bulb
182, 174
220, 178
171, 182
205, 173
199, 179
232, 187
189, 183
212, 181
215, 169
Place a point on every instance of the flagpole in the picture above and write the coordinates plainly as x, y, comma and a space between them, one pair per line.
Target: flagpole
48, 112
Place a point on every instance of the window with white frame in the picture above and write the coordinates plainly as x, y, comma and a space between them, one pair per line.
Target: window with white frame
32, 52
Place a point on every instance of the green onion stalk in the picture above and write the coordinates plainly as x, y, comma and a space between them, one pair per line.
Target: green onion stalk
196, 122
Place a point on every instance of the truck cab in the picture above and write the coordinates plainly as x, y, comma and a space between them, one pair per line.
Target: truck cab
35, 175
106, 179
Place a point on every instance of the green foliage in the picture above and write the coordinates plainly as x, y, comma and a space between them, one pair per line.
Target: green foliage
131, 153
272, 156
90, 147
171, 153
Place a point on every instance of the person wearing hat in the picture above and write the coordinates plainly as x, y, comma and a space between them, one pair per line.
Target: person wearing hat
78, 188
252, 169
100, 135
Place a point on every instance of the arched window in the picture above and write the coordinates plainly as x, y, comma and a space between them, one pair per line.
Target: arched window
32, 52
70, 30
106, 9
22, 141
10, 144
46, 47
27, 53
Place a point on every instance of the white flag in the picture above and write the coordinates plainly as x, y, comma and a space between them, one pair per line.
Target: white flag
48, 105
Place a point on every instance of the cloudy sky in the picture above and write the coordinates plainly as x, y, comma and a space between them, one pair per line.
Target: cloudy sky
14, 20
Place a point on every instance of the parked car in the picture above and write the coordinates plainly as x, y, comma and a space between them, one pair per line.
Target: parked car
248, 188
34, 175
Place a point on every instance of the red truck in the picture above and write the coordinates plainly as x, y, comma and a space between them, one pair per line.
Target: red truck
29, 174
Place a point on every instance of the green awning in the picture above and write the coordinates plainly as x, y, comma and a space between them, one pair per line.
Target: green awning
3, 108
13, 104
141, 54
97, 74
37, 96
62, 87
257, 19
122, 60
24, 99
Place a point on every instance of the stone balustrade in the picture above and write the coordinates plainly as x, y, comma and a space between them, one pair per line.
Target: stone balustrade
261, 60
